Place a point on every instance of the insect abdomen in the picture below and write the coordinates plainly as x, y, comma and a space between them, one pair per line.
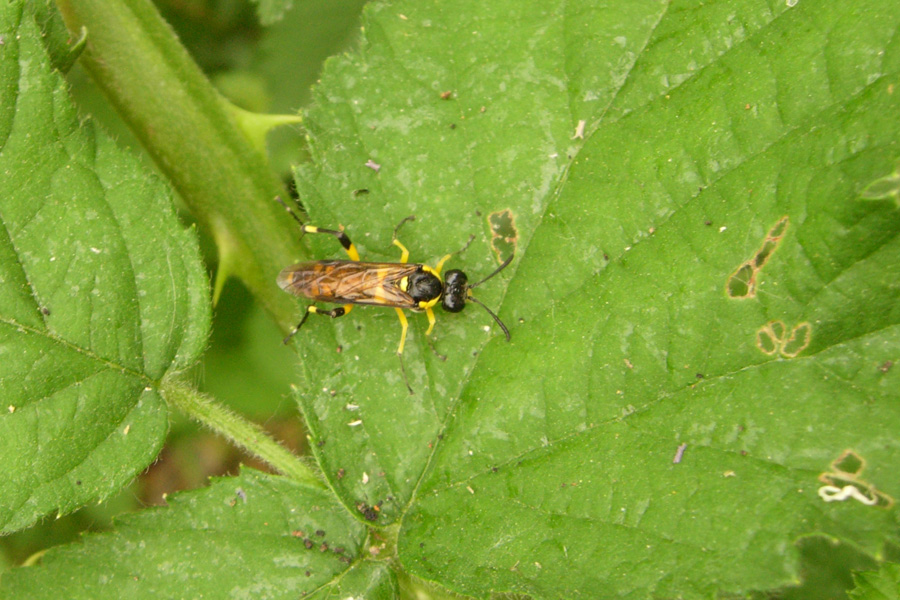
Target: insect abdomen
315, 280
345, 281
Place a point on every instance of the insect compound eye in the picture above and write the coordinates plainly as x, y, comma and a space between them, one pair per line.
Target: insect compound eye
424, 286
456, 287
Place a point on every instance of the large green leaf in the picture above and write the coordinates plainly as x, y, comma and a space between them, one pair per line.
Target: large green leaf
102, 295
253, 536
704, 316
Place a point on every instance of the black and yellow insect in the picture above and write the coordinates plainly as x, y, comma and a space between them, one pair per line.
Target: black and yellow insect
401, 285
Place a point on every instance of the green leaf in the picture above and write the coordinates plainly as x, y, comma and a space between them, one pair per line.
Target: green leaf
253, 536
883, 584
703, 316
102, 296
61, 48
648, 152
190, 132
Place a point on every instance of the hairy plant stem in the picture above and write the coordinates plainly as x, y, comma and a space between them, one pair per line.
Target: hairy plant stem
238, 431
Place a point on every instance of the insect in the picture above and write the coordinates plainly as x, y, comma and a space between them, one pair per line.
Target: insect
401, 285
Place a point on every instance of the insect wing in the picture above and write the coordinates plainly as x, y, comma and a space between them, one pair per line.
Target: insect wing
349, 282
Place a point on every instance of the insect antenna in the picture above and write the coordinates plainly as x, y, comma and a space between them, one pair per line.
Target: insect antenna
490, 312
500, 268
482, 305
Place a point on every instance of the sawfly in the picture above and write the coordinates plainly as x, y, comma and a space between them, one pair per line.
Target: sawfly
401, 285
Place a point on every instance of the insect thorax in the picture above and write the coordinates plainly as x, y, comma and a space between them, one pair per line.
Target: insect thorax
424, 286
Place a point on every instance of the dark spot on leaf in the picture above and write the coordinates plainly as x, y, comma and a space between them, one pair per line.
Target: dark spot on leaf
742, 283
505, 235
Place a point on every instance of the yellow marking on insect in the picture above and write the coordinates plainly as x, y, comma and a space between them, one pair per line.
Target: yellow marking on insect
426, 304
404, 284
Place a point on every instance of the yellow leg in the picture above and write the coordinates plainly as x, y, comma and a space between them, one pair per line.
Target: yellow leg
342, 237
404, 257
431, 319
405, 325
312, 309
333, 313
441, 262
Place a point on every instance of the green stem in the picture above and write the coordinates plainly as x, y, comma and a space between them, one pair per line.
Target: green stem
213, 159
238, 431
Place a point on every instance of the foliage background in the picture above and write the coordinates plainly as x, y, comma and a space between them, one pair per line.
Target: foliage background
698, 139
242, 367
